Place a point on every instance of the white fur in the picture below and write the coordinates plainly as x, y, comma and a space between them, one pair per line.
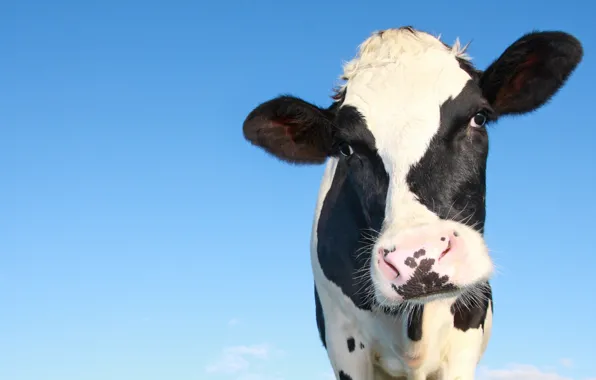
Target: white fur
398, 82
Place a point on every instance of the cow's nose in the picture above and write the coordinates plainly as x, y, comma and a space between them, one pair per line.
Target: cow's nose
425, 248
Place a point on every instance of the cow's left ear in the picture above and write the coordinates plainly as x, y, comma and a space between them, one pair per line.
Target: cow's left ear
530, 71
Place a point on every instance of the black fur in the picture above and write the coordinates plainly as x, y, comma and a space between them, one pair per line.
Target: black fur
291, 129
450, 179
351, 342
472, 316
353, 207
320, 318
415, 323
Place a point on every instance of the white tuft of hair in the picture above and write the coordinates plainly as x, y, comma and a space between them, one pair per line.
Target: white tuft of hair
391, 45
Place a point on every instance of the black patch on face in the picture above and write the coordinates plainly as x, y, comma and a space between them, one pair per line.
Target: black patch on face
424, 281
353, 207
351, 344
419, 253
450, 179
344, 376
320, 318
472, 315
361, 345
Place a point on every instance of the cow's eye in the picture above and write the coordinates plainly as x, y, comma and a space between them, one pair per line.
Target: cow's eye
479, 120
346, 150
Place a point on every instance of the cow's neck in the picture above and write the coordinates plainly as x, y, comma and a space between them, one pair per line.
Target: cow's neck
414, 336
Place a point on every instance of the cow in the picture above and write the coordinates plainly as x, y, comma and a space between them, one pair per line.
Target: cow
400, 266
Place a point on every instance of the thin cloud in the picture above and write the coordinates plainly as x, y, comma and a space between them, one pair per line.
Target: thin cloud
254, 376
260, 351
566, 362
228, 364
233, 322
240, 360
519, 372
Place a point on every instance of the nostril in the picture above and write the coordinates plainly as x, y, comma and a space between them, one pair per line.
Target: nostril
446, 250
385, 262
392, 267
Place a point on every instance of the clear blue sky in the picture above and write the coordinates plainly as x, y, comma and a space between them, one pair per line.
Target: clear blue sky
142, 238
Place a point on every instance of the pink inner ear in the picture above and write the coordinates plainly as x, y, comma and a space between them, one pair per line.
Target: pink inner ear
523, 71
285, 131
286, 126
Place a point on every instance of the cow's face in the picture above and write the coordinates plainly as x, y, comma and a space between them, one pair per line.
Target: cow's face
408, 131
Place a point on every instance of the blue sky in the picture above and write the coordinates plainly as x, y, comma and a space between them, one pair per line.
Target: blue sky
142, 238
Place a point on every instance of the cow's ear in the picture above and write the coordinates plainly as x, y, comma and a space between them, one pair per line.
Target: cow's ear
530, 71
291, 129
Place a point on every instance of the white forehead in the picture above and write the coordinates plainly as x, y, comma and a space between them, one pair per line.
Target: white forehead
398, 81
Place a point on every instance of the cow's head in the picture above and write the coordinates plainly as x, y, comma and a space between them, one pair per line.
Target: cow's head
408, 133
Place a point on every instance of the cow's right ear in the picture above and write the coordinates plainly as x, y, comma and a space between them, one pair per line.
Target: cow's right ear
291, 129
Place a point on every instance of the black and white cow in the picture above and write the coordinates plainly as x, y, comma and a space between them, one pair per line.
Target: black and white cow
400, 264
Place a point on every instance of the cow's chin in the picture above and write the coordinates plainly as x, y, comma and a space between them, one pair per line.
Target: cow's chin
385, 297
428, 274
